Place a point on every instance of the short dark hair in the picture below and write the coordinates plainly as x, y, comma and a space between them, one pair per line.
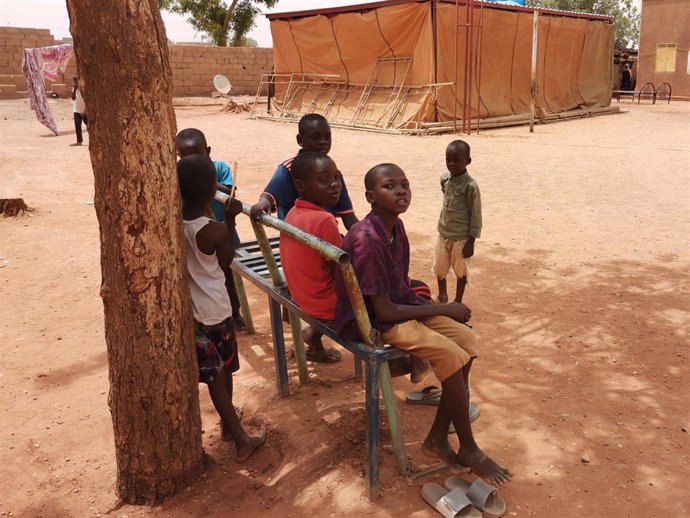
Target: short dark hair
196, 176
308, 119
460, 145
372, 173
191, 138
303, 163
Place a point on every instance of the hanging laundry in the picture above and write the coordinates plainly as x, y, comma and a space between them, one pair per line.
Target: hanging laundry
35, 67
55, 60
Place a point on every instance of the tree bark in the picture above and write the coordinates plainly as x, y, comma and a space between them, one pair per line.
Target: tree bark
122, 56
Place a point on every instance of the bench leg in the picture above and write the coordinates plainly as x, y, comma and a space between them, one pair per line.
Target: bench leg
244, 303
393, 418
372, 432
279, 348
358, 369
300, 355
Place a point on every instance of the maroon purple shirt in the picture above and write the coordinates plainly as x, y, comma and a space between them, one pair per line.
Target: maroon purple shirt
381, 263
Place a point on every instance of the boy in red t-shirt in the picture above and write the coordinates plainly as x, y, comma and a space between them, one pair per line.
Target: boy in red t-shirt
310, 276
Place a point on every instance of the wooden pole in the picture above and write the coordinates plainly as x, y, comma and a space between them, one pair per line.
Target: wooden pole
533, 81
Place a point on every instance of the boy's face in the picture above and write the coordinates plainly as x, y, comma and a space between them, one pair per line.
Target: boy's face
391, 191
316, 137
322, 185
457, 160
184, 150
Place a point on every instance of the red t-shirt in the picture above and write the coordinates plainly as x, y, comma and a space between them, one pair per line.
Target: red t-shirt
310, 276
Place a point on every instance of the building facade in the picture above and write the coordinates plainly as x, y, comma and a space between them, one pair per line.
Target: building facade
664, 55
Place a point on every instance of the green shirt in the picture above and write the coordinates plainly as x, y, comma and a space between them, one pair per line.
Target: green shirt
461, 215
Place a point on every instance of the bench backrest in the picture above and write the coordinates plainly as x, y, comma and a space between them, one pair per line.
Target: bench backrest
327, 250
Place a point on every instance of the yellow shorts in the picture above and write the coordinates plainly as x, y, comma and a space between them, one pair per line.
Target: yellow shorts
449, 253
447, 344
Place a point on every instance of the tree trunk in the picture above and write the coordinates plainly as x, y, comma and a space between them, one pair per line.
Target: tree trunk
223, 40
122, 56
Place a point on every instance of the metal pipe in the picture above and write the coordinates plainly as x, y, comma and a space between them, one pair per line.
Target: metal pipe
324, 248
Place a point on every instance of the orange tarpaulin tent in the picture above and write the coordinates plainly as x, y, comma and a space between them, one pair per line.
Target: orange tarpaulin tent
402, 62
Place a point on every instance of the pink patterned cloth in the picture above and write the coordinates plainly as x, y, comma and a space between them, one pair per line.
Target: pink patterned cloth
55, 60
35, 66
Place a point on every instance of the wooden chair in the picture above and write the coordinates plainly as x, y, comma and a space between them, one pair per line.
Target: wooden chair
663, 92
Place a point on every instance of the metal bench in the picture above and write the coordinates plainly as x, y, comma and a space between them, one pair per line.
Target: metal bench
258, 262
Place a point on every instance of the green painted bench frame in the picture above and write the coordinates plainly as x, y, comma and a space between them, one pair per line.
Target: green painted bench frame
264, 272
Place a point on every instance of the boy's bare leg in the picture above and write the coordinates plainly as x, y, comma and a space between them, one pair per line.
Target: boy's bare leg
220, 390
460, 289
312, 338
419, 369
454, 408
442, 291
400, 366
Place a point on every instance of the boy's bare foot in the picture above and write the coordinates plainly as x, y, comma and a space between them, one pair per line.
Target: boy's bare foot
419, 369
443, 452
483, 466
245, 450
315, 350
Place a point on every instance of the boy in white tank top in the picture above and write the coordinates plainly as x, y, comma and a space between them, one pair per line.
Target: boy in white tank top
210, 250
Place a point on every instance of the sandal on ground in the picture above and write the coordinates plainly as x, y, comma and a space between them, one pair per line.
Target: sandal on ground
427, 396
482, 495
450, 504
323, 355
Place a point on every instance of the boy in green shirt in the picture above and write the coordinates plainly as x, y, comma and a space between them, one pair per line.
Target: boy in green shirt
460, 222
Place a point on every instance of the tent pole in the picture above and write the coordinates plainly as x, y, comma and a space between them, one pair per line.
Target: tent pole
469, 51
455, 60
435, 42
533, 81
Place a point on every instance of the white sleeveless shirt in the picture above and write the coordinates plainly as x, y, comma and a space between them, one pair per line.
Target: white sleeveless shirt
210, 299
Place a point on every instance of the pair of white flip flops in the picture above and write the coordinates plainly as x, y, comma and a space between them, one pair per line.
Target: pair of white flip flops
464, 499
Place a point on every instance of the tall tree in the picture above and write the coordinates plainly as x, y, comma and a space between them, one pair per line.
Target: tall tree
217, 18
122, 57
626, 17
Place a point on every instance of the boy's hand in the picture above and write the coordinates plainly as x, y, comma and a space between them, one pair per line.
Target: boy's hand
468, 249
263, 206
232, 208
458, 312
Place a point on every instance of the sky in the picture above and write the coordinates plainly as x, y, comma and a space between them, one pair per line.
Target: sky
52, 14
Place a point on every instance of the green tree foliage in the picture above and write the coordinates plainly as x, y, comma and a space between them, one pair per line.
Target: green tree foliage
219, 19
626, 17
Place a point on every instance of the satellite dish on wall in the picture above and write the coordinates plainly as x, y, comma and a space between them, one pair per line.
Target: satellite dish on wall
222, 84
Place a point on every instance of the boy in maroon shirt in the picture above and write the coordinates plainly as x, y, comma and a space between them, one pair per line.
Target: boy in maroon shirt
380, 254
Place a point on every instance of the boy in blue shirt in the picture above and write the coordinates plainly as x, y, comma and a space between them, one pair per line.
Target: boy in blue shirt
314, 134
192, 141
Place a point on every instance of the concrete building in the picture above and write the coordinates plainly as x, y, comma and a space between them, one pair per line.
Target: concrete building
665, 45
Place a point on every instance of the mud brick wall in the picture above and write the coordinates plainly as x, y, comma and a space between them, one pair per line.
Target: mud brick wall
13, 41
193, 66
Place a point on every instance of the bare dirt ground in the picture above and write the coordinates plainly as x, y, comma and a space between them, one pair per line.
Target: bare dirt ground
580, 294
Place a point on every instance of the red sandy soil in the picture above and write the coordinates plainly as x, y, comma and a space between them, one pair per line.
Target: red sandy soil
580, 295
